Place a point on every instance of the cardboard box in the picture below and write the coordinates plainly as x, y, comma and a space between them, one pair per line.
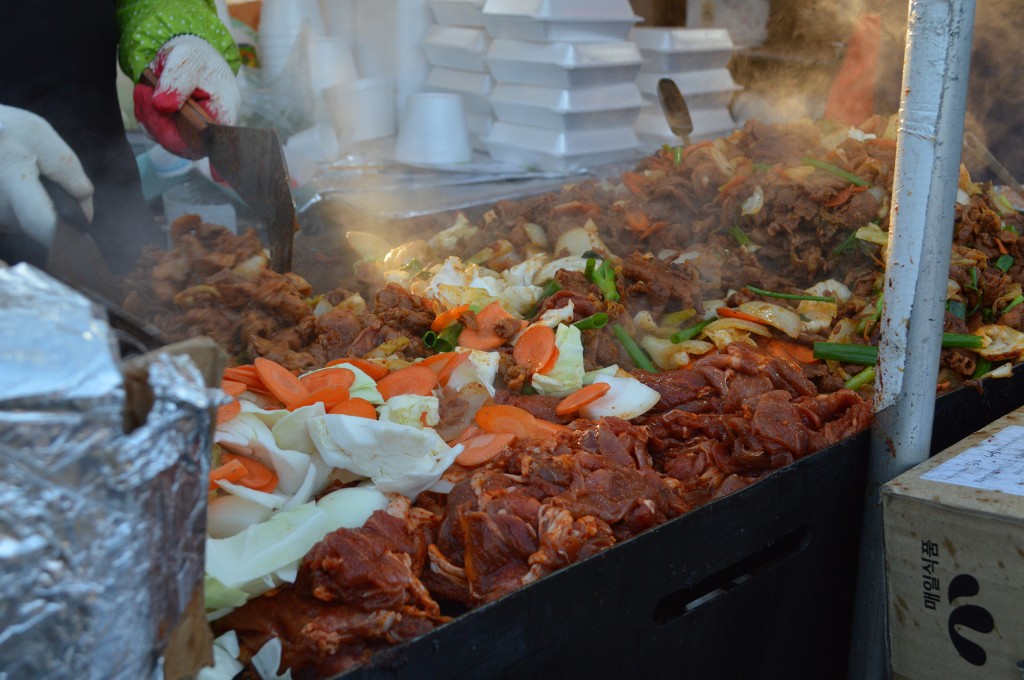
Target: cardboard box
954, 559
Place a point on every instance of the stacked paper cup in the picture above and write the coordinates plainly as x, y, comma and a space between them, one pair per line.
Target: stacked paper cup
280, 24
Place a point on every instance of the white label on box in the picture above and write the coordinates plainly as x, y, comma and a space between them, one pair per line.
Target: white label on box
996, 464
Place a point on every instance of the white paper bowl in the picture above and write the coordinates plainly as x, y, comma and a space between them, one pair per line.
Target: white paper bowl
433, 130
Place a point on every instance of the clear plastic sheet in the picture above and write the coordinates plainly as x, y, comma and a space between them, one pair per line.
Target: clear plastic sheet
101, 531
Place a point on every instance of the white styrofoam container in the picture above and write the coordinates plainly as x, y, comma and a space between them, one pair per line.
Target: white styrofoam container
459, 12
479, 126
567, 109
461, 81
457, 47
702, 89
563, 64
555, 151
653, 131
519, 27
672, 40
561, 9
693, 60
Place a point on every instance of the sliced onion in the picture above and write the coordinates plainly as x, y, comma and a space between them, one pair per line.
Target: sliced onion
537, 235
579, 240
351, 507
368, 246
229, 515
726, 331
268, 500
547, 272
1000, 342
753, 205
627, 398
776, 316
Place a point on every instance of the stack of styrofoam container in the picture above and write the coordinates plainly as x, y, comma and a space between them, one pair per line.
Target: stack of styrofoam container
456, 48
565, 94
697, 60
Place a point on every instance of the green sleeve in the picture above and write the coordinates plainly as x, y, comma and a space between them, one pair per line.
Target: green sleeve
145, 25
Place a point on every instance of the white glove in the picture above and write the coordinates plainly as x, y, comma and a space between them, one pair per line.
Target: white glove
186, 66
30, 147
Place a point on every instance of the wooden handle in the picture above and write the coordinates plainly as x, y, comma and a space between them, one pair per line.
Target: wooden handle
191, 121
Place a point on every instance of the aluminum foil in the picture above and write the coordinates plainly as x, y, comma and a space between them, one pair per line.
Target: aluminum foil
101, 531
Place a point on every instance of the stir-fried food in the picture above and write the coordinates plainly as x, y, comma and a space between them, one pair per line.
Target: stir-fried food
547, 379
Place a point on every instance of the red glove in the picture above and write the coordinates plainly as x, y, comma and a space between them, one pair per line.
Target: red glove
852, 98
186, 66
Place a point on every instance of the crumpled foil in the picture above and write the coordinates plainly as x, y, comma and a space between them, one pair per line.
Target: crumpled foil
101, 531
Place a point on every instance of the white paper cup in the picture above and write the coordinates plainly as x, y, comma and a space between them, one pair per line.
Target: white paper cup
330, 63
362, 109
286, 16
433, 130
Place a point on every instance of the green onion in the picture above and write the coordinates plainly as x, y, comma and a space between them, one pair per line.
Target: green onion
1005, 203
739, 235
762, 167
1004, 262
603, 277
677, 155
429, 338
425, 275
592, 322
861, 379
953, 340
981, 368
528, 389
1013, 303
788, 296
864, 355
413, 266
973, 271
957, 309
846, 244
835, 170
550, 288
447, 339
691, 332
638, 356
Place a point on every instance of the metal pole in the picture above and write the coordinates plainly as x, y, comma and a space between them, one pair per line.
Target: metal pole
931, 122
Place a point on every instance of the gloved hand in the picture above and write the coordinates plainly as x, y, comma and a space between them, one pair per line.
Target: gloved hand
186, 66
30, 147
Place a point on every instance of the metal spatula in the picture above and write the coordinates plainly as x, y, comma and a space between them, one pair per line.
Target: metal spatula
252, 162
673, 105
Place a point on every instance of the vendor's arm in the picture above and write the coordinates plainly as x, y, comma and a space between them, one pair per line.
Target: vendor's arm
192, 54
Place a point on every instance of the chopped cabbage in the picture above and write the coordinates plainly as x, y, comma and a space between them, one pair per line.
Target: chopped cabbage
396, 458
482, 368
628, 398
246, 434
446, 240
818, 315
590, 376
291, 432
267, 661
225, 658
567, 375
553, 317
409, 409
455, 284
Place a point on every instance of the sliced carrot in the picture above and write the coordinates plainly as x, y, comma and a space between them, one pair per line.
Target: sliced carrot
410, 380
482, 448
844, 196
328, 377
733, 182
446, 369
436, 362
233, 387
550, 365
445, 319
790, 350
474, 339
730, 313
636, 219
280, 381
581, 397
468, 433
534, 347
258, 476
232, 471
371, 368
355, 406
636, 183
553, 428
228, 411
506, 418
329, 396
246, 375
1002, 248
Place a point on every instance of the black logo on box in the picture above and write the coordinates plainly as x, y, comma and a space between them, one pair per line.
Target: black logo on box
969, 616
